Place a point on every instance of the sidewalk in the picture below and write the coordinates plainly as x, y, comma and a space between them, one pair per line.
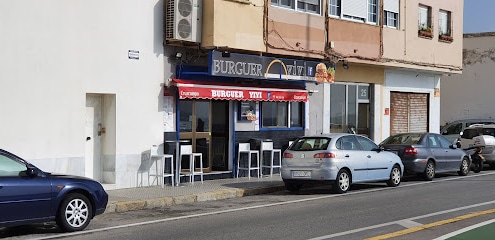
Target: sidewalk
130, 199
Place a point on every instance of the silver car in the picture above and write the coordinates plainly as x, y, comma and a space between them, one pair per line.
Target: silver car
340, 159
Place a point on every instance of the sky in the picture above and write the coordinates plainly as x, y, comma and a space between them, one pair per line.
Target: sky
478, 16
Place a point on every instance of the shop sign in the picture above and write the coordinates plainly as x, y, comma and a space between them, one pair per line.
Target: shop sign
260, 67
241, 94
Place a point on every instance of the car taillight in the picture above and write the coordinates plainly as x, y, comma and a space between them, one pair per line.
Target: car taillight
288, 155
410, 151
324, 155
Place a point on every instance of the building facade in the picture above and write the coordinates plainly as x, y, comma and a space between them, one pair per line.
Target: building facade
89, 89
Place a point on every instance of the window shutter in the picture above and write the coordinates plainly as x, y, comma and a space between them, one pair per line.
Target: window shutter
391, 5
355, 8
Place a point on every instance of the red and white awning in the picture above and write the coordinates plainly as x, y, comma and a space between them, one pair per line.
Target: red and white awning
193, 90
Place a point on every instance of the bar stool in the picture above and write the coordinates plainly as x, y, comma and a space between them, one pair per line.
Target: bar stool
268, 146
186, 150
159, 160
246, 148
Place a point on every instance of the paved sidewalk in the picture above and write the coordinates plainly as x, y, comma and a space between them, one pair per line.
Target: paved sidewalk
129, 199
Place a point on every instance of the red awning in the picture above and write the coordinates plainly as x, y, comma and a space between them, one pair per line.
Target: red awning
193, 90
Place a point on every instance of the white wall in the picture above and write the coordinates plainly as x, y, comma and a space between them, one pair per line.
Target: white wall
413, 82
55, 51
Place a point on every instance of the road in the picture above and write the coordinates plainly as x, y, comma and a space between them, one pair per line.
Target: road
415, 210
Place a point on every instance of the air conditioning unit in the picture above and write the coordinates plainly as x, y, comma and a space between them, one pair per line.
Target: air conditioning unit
183, 20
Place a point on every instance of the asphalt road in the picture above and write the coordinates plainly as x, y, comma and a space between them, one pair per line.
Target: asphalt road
415, 210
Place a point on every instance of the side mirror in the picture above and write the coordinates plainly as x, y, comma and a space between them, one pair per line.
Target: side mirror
32, 172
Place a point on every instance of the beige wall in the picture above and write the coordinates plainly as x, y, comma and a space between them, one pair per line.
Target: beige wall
233, 24
354, 39
405, 45
359, 73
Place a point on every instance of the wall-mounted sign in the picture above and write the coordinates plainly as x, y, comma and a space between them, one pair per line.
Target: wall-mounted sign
133, 54
259, 67
247, 111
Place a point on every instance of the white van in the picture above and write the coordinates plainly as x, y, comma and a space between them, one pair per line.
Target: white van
475, 130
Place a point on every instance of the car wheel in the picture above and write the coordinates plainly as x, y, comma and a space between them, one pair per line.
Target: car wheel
293, 187
464, 171
477, 166
343, 182
429, 171
75, 213
394, 180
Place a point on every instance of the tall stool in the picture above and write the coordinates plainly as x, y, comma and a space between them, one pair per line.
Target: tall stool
159, 160
268, 146
245, 148
186, 150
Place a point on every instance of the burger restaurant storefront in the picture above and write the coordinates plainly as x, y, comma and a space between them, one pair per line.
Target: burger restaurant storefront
236, 98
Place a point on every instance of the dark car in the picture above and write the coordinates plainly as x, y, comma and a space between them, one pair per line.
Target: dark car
427, 153
29, 195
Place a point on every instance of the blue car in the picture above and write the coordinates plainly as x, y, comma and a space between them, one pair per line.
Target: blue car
29, 195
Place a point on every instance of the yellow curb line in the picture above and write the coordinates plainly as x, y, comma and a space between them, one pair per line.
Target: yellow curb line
430, 225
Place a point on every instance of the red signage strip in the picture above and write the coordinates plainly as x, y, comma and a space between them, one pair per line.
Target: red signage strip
197, 91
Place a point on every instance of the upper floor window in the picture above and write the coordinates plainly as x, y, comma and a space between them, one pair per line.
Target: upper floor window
444, 27
312, 6
424, 18
334, 7
391, 13
365, 11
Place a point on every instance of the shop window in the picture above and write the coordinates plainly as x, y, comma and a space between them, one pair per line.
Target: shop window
349, 108
282, 114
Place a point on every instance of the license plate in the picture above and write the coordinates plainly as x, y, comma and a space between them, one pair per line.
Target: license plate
301, 173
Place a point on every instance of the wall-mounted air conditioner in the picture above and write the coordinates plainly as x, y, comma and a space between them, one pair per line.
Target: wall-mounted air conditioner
183, 20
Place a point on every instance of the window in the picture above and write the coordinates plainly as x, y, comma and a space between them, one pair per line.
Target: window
349, 108
390, 19
444, 27
424, 23
311, 6
334, 7
373, 11
282, 114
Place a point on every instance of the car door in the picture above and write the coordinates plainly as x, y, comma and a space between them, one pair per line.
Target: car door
356, 159
452, 157
437, 151
378, 166
22, 198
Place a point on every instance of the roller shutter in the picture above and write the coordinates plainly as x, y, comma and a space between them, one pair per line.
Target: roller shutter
408, 112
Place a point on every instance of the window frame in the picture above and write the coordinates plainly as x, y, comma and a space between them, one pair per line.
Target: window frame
387, 19
447, 22
294, 5
428, 23
288, 116
372, 12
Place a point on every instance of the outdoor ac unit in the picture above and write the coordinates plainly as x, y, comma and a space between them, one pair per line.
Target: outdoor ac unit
183, 20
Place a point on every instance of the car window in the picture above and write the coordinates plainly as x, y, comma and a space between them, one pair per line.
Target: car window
433, 142
311, 144
408, 139
366, 144
350, 143
488, 131
454, 129
470, 133
444, 142
10, 167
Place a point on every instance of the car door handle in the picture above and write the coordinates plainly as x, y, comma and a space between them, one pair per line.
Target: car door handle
369, 156
347, 155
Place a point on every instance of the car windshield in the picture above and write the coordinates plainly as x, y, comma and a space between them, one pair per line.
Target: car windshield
408, 139
311, 144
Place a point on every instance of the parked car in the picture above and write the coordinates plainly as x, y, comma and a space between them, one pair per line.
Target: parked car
339, 159
452, 130
30, 195
466, 140
427, 154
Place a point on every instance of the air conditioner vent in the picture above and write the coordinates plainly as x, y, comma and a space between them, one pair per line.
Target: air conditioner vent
183, 20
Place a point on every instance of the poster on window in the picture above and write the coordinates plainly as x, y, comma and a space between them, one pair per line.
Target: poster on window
168, 114
247, 110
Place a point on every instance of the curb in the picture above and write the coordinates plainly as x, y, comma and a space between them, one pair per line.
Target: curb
125, 206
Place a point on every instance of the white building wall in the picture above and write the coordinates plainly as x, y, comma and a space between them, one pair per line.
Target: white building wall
54, 52
412, 82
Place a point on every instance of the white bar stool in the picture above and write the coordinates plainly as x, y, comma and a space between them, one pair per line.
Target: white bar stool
268, 146
159, 160
186, 150
246, 148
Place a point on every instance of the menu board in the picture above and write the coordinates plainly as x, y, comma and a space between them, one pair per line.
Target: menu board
247, 110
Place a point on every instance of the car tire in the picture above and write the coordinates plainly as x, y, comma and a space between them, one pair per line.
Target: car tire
395, 177
75, 213
342, 183
292, 186
465, 167
477, 166
429, 172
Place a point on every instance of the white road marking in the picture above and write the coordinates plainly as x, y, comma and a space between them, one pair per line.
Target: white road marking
290, 202
464, 230
408, 223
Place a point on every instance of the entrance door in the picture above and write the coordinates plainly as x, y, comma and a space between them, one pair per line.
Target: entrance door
203, 123
93, 151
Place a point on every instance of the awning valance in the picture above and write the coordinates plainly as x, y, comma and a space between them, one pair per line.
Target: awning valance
193, 90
